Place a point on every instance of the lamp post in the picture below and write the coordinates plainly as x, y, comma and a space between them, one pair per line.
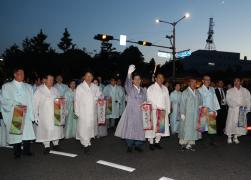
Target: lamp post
173, 37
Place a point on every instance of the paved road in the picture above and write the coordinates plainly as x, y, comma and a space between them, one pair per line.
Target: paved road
222, 162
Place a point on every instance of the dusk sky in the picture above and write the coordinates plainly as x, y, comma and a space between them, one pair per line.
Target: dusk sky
134, 18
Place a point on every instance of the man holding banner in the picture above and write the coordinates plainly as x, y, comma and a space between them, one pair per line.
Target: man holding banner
210, 105
49, 114
238, 100
158, 96
17, 112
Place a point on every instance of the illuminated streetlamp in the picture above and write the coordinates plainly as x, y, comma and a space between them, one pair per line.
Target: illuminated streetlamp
173, 38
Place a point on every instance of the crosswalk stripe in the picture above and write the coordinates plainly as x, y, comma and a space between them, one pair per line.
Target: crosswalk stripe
63, 154
117, 166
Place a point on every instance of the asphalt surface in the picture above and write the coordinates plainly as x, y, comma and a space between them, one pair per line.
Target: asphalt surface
207, 162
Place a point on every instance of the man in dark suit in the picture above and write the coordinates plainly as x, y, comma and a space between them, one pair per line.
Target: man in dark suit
222, 112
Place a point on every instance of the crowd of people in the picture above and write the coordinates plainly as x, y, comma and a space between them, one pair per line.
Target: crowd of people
30, 113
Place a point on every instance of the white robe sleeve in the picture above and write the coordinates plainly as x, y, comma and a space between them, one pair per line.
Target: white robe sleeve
36, 102
248, 100
150, 97
168, 103
76, 102
7, 104
231, 101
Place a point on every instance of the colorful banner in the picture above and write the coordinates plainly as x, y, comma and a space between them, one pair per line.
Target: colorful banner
161, 115
242, 119
147, 116
101, 111
17, 123
203, 116
59, 111
108, 105
249, 121
212, 129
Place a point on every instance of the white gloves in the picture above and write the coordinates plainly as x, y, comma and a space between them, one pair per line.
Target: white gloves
183, 117
131, 69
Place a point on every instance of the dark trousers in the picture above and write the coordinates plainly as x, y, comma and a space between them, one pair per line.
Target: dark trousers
209, 139
18, 150
131, 143
221, 120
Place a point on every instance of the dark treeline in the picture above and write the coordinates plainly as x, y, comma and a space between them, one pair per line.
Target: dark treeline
37, 56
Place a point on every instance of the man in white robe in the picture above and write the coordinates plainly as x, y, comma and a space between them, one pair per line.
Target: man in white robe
46, 129
85, 102
236, 97
158, 96
62, 88
17, 93
210, 101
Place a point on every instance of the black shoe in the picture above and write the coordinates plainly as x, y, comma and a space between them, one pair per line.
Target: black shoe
129, 149
183, 148
213, 144
86, 150
57, 148
17, 156
192, 149
157, 145
46, 150
151, 147
28, 153
139, 149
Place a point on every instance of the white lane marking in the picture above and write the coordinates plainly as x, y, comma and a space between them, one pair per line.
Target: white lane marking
165, 178
118, 166
64, 154
10, 147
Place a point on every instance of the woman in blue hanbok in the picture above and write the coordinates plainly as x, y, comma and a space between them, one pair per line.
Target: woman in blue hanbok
70, 124
175, 99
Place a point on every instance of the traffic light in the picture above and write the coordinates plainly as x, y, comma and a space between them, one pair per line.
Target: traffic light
144, 43
103, 37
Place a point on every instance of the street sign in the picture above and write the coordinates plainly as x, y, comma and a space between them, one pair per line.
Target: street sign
122, 40
183, 54
164, 54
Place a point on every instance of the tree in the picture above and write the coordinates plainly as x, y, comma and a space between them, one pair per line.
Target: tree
66, 42
12, 58
27, 45
38, 44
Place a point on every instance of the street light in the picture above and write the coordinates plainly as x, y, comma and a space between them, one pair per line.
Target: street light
173, 37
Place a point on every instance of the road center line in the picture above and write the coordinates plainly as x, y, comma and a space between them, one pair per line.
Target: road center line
63, 154
117, 166
165, 178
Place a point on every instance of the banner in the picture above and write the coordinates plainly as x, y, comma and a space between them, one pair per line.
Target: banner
249, 121
147, 116
108, 105
242, 119
101, 103
161, 115
59, 111
203, 116
17, 123
212, 129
